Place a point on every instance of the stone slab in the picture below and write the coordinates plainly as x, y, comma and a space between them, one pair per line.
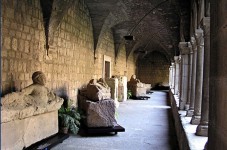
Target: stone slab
23, 133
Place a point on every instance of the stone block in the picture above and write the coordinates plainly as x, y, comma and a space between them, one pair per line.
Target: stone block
122, 88
113, 84
7, 42
18, 134
98, 114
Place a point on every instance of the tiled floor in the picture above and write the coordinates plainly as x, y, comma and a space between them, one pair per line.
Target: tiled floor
148, 125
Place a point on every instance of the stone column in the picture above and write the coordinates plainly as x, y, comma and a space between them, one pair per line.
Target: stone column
199, 77
202, 128
173, 75
170, 76
184, 50
176, 79
218, 76
192, 93
189, 76
180, 78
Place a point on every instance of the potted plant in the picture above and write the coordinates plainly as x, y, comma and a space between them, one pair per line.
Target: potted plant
69, 119
129, 94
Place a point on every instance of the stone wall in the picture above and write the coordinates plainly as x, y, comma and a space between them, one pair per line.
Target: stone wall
153, 69
70, 61
120, 66
131, 66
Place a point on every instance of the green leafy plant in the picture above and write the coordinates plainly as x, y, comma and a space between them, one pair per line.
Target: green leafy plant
69, 118
129, 94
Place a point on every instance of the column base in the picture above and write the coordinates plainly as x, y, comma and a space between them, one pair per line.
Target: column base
186, 107
195, 120
190, 113
202, 130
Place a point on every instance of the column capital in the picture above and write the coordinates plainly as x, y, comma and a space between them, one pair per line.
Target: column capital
193, 43
177, 59
199, 37
184, 49
206, 26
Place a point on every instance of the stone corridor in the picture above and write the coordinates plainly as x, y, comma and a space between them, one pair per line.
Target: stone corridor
148, 125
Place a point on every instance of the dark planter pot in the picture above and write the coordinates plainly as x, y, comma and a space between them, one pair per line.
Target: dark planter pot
64, 130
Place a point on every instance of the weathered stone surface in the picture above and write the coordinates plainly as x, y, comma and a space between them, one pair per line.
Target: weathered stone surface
32, 100
98, 114
113, 84
122, 88
22, 133
24, 113
148, 87
136, 87
96, 91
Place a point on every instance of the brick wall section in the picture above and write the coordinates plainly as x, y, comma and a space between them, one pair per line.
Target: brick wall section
131, 66
105, 46
70, 62
154, 69
120, 65
123, 66
23, 40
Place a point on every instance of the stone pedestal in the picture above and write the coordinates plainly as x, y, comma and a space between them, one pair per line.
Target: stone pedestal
199, 77
122, 88
18, 134
113, 84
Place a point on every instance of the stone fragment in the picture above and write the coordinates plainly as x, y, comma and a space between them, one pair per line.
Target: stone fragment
113, 84
98, 114
96, 91
136, 87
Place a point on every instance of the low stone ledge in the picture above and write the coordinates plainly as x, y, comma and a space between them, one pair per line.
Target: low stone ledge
185, 131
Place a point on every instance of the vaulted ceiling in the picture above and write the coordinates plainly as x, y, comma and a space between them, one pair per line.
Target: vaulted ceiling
156, 25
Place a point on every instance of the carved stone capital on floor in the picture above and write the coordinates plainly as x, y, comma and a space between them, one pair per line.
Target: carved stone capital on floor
195, 120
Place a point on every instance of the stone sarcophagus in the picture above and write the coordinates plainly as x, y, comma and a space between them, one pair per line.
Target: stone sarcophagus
98, 106
30, 115
136, 87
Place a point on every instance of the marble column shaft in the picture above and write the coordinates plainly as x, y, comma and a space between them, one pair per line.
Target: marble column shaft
176, 80
217, 137
202, 128
199, 77
192, 93
189, 76
184, 50
170, 77
173, 75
